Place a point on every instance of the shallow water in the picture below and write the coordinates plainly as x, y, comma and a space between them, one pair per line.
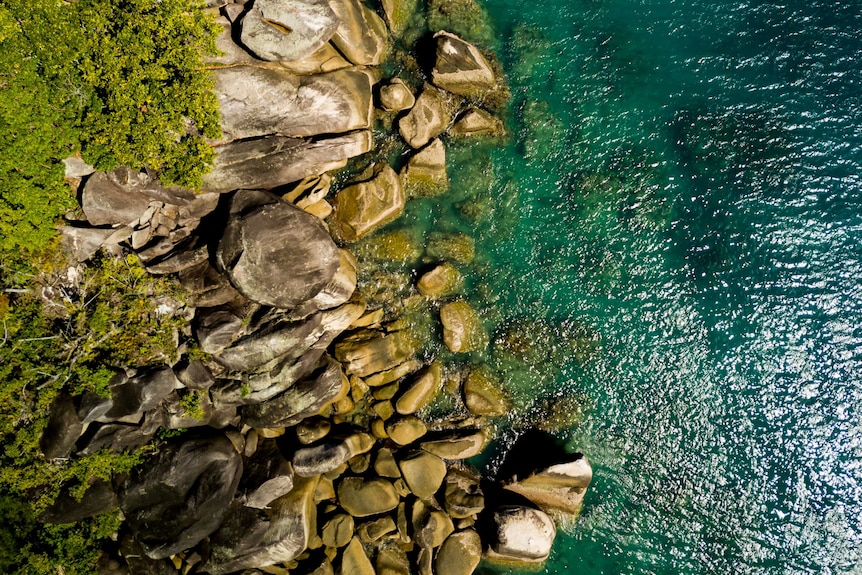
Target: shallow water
677, 221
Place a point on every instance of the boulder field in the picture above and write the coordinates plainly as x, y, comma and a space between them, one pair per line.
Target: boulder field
306, 442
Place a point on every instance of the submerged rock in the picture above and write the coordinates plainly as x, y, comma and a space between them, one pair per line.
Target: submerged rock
442, 281
475, 123
425, 173
462, 328
483, 394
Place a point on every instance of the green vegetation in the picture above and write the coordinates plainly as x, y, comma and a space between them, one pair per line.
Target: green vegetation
120, 82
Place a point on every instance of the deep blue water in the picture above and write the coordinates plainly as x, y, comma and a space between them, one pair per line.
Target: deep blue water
683, 187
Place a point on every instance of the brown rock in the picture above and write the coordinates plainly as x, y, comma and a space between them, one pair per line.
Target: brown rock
364, 207
428, 118
423, 473
396, 96
362, 498
459, 554
460, 68
425, 174
462, 328
442, 281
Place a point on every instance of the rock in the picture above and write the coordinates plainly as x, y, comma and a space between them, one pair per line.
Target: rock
341, 286
354, 561
66, 508
362, 35
392, 560
394, 374
443, 281
435, 527
313, 429
338, 531
180, 260
405, 430
423, 473
123, 195
482, 393
181, 496
396, 96
462, 328
194, 375
421, 390
231, 52
302, 400
475, 123
364, 497
328, 456
385, 464
276, 254
206, 287
63, 428
75, 167
459, 554
325, 59
457, 444
460, 68
428, 118
521, 535
114, 437
463, 495
217, 329
260, 349
376, 529
267, 476
93, 407
142, 392
277, 160
260, 101
559, 488
83, 243
289, 525
287, 30
135, 561
371, 352
366, 206
425, 174
458, 247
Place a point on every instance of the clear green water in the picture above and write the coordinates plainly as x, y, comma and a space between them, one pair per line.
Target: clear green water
677, 221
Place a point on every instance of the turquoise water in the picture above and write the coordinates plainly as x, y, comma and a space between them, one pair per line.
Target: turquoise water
677, 222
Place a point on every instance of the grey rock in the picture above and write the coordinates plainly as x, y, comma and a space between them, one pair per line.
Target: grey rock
288, 29
137, 561
267, 476
122, 195
259, 101
66, 508
63, 428
276, 254
114, 437
370, 352
206, 286
83, 243
329, 455
217, 329
277, 160
179, 261
93, 407
521, 535
291, 522
75, 167
194, 375
279, 341
142, 392
182, 496
302, 400
342, 285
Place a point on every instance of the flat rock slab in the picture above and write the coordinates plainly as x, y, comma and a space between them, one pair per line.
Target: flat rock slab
459, 554
276, 254
181, 496
287, 29
260, 101
273, 161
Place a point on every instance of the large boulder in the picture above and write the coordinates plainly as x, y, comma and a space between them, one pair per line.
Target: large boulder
368, 205
370, 352
427, 119
463, 330
63, 429
182, 496
460, 68
141, 393
362, 36
558, 488
420, 390
274, 253
267, 476
329, 455
287, 29
277, 160
259, 102
521, 535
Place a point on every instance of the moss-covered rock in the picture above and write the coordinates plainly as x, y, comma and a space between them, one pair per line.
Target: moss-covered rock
483, 394
462, 328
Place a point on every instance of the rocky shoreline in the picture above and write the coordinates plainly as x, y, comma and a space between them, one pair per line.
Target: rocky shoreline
308, 444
